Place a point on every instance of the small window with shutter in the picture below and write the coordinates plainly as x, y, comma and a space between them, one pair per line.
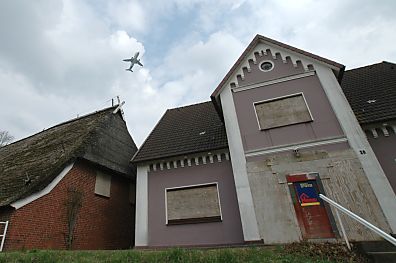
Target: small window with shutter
102, 184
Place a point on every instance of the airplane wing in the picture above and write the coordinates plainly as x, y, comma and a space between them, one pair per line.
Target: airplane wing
127, 60
140, 64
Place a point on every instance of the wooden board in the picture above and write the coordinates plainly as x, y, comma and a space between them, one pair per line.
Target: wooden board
193, 204
310, 211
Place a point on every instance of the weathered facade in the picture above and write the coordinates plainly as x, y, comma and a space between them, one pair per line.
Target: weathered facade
337, 169
315, 138
291, 135
70, 186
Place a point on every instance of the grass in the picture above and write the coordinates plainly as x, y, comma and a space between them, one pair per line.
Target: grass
226, 255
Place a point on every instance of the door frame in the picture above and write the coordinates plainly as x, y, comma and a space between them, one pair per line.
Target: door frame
301, 177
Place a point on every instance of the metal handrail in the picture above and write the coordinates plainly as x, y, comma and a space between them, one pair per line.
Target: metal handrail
3, 235
367, 224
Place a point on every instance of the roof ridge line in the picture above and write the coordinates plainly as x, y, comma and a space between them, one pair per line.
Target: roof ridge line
375, 64
59, 124
256, 40
148, 136
190, 105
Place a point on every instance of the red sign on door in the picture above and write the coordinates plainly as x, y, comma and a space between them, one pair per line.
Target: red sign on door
307, 194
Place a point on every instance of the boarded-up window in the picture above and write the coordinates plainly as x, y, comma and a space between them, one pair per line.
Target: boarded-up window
102, 184
282, 111
193, 204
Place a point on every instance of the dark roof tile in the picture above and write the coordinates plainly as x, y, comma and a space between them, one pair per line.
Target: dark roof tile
371, 92
184, 130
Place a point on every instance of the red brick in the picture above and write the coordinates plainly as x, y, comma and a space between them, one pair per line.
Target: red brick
102, 223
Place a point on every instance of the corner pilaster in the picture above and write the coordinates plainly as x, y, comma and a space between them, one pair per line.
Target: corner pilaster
358, 141
141, 226
244, 195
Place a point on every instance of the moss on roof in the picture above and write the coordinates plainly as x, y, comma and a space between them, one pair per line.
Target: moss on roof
41, 157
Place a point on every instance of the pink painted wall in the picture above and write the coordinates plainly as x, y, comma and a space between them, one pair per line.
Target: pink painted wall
229, 231
324, 125
280, 70
385, 150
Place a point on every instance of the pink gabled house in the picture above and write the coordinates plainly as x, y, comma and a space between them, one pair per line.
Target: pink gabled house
248, 165
245, 167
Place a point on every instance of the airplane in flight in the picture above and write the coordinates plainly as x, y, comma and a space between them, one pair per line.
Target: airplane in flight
134, 60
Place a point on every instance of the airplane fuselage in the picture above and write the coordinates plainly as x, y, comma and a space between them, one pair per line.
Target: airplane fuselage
134, 60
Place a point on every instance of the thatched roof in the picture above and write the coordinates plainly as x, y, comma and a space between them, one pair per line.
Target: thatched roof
101, 138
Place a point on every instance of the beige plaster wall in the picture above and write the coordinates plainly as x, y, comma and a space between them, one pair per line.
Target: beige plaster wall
343, 180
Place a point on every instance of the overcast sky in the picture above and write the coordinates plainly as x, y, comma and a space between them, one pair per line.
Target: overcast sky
60, 59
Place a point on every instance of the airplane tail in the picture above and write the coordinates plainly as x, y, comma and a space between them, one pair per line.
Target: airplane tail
128, 69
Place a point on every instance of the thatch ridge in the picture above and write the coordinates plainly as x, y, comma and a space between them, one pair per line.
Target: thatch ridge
30, 164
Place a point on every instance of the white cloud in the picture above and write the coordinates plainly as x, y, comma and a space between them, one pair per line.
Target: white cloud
78, 68
189, 73
354, 33
214, 56
61, 58
128, 14
24, 110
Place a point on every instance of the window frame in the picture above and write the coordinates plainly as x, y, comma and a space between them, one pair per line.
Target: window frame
192, 220
280, 98
103, 175
266, 61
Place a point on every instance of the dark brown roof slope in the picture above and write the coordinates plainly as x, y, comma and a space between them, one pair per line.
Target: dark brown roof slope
101, 138
184, 130
371, 92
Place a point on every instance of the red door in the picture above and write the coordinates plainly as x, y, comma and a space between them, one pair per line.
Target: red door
311, 213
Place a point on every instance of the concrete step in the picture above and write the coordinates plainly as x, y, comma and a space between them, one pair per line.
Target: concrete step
378, 251
382, 257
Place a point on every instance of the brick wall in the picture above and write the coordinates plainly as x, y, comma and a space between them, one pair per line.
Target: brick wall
102, 223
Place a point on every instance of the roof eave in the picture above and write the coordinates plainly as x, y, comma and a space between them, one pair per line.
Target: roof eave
217, 106
159, 158
341, 74
334, 65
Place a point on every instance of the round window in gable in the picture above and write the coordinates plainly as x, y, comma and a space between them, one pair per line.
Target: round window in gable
266, 66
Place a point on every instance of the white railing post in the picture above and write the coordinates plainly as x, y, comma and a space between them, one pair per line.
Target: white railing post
3, 235
367, 224
343, 230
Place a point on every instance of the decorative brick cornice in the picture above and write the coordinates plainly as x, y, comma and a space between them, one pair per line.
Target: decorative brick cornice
263, 49
377, 130
198, 159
